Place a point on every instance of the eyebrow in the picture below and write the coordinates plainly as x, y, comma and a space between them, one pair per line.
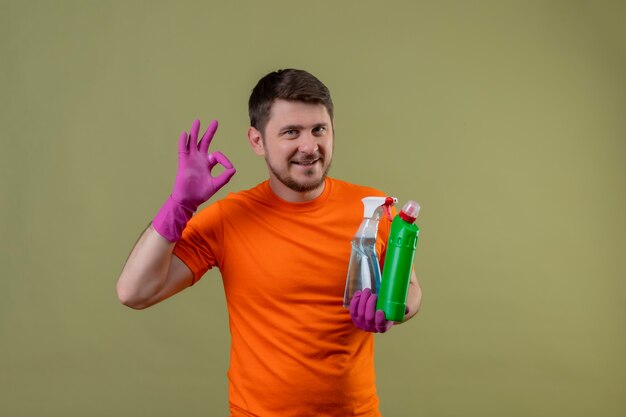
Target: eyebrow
300, 127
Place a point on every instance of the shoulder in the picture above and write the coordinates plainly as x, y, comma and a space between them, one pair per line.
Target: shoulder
347, 188
348, 196
250, 193
243, 199
235, 207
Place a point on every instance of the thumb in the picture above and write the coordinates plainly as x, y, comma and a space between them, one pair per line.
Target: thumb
381, 323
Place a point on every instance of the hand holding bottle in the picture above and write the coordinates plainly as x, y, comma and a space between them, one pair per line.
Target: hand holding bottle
194, 183
364, 314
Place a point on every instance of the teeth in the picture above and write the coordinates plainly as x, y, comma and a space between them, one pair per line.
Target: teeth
305, 163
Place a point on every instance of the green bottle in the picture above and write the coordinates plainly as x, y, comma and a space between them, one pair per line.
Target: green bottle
394, 285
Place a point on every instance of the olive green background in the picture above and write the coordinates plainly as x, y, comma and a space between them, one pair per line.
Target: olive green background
504, 119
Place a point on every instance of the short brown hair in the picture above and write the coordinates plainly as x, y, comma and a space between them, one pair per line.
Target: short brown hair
286, 84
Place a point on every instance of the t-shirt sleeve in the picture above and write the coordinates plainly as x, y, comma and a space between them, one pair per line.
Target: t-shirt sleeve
201, 243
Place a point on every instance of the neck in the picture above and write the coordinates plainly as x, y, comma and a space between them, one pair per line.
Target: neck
292, 196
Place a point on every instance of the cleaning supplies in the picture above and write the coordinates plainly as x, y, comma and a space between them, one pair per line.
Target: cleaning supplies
364, 268
398, 263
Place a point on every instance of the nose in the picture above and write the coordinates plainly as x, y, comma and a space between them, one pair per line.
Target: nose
308, 144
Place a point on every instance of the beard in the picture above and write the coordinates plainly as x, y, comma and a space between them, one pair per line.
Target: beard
301, 186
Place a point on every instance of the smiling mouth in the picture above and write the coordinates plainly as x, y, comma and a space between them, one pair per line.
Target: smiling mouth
305, 163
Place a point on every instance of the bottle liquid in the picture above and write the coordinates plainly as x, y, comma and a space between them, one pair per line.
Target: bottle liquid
364, 269
401, 247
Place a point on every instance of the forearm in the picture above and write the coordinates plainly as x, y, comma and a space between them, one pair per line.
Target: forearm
414, 300
152, 273
146, 270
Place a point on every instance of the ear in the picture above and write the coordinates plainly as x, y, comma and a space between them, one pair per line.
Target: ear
256, 141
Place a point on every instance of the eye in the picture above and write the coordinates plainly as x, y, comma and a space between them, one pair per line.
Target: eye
319, 130
290, 132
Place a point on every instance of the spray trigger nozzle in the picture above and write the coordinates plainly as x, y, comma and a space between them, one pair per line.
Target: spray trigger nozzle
389, 202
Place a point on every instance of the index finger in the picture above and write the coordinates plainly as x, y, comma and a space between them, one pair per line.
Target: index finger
203, 147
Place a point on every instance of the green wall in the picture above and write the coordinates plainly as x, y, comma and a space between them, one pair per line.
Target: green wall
504, 119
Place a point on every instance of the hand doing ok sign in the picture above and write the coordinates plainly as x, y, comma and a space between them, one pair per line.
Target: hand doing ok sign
194, 183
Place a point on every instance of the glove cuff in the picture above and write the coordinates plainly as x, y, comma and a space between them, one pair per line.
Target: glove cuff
171, 219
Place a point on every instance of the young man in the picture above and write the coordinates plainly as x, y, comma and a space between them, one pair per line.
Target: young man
282, 248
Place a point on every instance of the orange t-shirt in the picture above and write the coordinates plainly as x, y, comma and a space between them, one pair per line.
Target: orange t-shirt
294, 349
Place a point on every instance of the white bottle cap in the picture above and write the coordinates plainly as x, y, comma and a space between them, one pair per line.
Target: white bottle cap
410, 211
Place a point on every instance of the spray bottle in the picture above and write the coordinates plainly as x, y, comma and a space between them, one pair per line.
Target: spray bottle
364, 268
401, 247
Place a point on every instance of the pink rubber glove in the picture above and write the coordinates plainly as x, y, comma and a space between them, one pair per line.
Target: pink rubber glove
194, 184
364, 314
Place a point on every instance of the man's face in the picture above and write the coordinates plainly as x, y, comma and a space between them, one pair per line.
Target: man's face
298, 145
